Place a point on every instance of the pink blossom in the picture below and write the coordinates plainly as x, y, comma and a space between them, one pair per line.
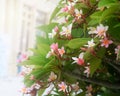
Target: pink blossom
105, 42
117, 49
62, 87
54, 46
52, 77
89, 89
78, 13
61, 51
32, 77
56, 29
101, 30
79, 60
65, 9
87, 71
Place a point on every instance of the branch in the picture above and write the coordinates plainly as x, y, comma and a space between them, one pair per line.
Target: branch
95, 81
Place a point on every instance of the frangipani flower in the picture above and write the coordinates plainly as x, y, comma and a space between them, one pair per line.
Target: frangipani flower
105, 42
66, 30
87, 71
50, 53
24, 90
89, 89
101, 30
90, 44
76, 87
78, 13
52, 77
54, 46
65, 8
62, 87
61, 51
92, 30
54, 32
117, 52
79, 60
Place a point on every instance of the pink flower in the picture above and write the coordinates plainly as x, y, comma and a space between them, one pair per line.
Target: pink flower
89, 89
62, 87
32, 77
56, 29
78, 13
54, 46
66, 30
65, 9
79, 60
52, 77
87, 71
117, 52
106, 42
117, 49
101, 30
61, 51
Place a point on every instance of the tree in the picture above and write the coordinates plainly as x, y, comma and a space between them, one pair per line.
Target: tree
80, 54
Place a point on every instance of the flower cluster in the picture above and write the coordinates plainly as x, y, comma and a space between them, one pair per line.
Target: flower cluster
55, 50
80, 53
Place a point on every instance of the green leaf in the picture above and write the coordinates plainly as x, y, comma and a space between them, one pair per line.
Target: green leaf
105, 3
96, 15
77, 43
41, 91
96, 61
78, 32
109, 12
94, 65
47, 28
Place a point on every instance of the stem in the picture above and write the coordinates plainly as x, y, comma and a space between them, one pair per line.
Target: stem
93, 80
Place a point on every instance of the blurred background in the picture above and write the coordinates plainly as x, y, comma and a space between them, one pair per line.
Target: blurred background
18, 22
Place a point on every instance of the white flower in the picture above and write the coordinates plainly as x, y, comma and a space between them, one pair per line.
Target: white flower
52, 77
87, 71
90, 44
101, 30
37, 86
92, 30
50, 53
66, 30
51, 35
78, 13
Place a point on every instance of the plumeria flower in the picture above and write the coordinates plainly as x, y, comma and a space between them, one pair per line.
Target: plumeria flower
65, 8
54, 32
90, 44
79, 60
66, 30
92, 30
76, 87
32, 77
101, 30
50, 53
52, 77
37, 86
61, 51
24, 90
87, 71
54, 46
78, 13
89, 89
62, 87
105, 42
117, 52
